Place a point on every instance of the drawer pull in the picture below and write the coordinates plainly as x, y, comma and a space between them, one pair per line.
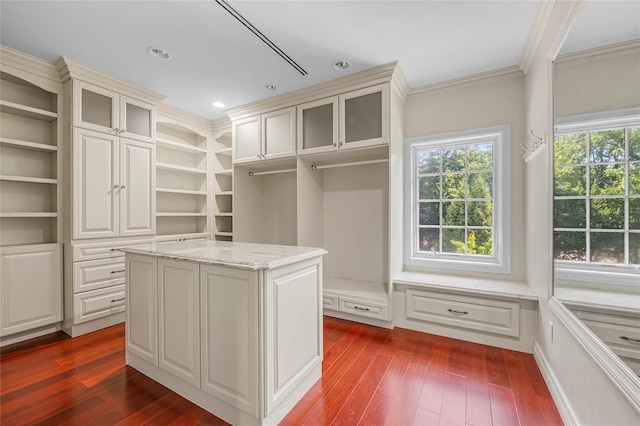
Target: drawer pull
454, 312
361, 309
117, 272
116, 249
630, 339
117, 300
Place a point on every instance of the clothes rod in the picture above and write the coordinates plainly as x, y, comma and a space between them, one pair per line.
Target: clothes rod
271, 172
355, 163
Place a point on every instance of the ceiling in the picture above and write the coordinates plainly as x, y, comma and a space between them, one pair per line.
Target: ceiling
216, 58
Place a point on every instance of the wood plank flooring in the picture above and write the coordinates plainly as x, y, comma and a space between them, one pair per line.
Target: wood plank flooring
371, 376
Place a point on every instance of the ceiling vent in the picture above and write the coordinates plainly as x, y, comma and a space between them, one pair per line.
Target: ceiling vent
244, 21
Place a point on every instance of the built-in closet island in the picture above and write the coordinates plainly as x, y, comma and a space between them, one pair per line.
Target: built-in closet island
319, 176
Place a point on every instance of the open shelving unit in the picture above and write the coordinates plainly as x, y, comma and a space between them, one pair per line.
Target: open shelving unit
223, 185
181, 182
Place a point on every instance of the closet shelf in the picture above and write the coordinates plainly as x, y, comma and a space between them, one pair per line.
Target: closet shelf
183, 169
32, 146
224, 234
225, 172
180, 191
27, 111
179, 146
28, 214
180, 214
225, 152
224, 193
229, 214
28, 179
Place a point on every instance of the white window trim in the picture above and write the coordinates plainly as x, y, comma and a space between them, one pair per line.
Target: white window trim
500, 262
625, 275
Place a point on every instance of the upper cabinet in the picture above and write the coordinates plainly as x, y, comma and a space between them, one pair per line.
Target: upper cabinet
264, 137
106, 111
356, 119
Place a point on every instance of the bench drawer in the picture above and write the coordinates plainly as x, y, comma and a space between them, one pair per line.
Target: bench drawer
476, 313
95, 304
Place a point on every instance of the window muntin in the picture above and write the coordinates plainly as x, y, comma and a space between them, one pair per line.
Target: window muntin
455, 213
597, 198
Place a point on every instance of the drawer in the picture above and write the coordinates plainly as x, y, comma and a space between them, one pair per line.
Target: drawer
364, 308
96, 304
330, 302
476, 313
624, 340
82, 252
95, 274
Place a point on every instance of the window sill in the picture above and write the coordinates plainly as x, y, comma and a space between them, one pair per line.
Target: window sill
601, 300
464, 285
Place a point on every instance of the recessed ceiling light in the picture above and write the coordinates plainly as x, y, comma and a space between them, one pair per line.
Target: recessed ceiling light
270, 87
218, 104
341, 65
159, 53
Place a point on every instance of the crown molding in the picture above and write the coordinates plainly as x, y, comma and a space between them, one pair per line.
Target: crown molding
29, 68
473, 80
377, 75
536, 31
221, 124
168, 114
599, 53
70, 69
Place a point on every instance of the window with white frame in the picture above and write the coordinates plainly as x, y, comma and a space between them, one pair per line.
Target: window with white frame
456, 200
597, 198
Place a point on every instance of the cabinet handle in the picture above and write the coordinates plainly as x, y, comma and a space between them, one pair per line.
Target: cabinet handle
115, 129
117, 300
116, 186
341, 143
258, 155
117, 272
121, 186
361, 309
122, 131
116, 249
335, 144
454, 312
630, 339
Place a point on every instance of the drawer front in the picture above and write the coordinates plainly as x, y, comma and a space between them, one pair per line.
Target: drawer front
96, 274
624, 340
476, 313
96, 304
364, 308
82, 252
330, 302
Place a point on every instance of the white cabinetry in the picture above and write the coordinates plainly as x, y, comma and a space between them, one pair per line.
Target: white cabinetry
142, 307
106, 111
264, 137
113, 186
223, 185
31, 291
356, 119
30, 197
182, 167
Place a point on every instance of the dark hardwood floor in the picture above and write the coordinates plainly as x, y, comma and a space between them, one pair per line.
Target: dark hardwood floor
371, 376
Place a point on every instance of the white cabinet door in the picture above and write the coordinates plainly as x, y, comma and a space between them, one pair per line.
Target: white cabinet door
137, 188
96, 186
30, 287
137, 120
246, 140
318, 126
95, 108
141, 306
293, 328
179, 319
278, 133
229, 330
364, 117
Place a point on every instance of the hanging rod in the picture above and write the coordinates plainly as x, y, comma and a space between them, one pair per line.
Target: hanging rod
271, 172
355, 163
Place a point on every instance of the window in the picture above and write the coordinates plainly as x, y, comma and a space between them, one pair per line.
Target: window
456, 200
597, 197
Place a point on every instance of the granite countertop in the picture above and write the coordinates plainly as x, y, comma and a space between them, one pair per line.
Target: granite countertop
249, 256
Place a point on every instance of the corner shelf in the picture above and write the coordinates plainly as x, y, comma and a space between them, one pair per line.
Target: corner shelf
223, 186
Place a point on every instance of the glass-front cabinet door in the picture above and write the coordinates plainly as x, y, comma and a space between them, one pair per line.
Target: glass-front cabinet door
95, 108
364, 117
137, 119
318, 126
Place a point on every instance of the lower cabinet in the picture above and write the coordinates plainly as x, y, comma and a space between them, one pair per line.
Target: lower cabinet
30, 287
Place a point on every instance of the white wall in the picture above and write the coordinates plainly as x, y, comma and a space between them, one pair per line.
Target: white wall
481, 101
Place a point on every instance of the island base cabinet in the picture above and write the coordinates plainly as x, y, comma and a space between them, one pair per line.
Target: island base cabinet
141, 311
229, 321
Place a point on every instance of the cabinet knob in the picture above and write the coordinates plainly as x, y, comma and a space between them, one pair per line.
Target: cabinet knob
122, 131
115, 129
258, 156
335, 144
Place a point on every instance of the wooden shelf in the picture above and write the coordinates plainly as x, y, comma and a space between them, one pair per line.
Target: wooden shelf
224, 193
32, 146
225, 151
225, 172
28, 179
180, 146
182, 169
28, 214
229, 214
167, 214
180, 191
27, 111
